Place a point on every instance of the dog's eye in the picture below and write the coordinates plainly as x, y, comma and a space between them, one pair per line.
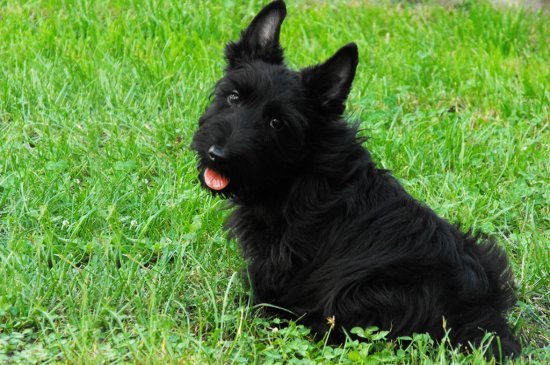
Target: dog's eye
275, 123
233, 98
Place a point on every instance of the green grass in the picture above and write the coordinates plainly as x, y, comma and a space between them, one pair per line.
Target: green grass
110, 251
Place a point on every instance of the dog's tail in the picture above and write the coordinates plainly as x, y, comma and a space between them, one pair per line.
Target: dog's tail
487, 314
485, 320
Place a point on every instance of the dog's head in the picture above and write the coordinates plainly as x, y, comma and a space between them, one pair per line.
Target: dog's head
254, 137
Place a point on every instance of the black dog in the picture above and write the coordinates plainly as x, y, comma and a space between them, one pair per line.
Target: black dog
326, 233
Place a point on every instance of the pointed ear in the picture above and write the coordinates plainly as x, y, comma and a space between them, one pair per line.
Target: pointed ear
330, 82
261, 39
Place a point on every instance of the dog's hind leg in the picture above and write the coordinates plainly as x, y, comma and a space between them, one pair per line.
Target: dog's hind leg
472, 326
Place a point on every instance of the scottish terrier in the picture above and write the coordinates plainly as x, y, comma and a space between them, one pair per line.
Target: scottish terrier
327, 235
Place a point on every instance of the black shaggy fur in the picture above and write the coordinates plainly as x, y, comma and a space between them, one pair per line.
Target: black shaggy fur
325, 232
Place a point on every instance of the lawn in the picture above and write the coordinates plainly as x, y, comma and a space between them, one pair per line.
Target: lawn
111, 252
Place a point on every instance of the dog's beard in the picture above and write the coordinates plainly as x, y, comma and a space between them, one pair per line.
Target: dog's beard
247, 182
235, 182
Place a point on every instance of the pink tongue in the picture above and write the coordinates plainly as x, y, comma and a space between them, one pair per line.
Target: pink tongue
215, 180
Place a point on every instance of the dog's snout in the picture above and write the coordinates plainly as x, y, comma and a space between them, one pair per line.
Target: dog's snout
216, 153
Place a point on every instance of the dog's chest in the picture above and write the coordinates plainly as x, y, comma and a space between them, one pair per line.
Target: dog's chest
270, 247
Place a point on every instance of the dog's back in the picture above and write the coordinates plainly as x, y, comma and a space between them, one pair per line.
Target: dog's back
358, 248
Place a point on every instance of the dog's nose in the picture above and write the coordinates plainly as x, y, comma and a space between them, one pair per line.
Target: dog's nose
216, 153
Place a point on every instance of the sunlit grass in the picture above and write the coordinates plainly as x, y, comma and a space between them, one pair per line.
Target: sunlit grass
110, 251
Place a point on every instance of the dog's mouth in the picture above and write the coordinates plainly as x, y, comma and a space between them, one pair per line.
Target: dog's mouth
215, 180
